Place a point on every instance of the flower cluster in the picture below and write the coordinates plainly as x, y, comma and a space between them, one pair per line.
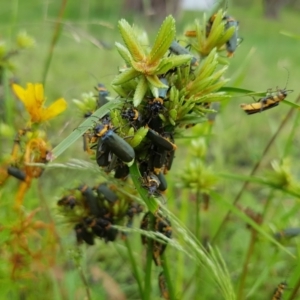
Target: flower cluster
30, 144
220, 32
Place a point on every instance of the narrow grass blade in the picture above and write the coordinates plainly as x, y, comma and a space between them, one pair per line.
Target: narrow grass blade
83, 127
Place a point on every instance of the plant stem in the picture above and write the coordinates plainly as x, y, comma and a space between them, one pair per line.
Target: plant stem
256, 166
246, 263
4, 79
197, 223
55, 37
134, 267
148, 271
267, 203
292, 133
295, 290
83, 278
197, 233
168, 277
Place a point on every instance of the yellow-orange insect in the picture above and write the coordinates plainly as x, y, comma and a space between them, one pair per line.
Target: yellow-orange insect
279, 291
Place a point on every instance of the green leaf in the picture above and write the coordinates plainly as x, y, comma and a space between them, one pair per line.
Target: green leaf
79, 104
154, 80
140, 91
192, 119
163, 67
215, 35
262, 181
218, 20
125, 76
228, 34
177, 60
162, 117
164, 38
198, 86
215, 87
208, 66
200, 36
138, 136
120, 91
213, 97
289, 34
235, 90
291, 104
206, 72
84, 126
131, 41
217, 75
172, 122
185, 109
154, 91
173, 115
123, 51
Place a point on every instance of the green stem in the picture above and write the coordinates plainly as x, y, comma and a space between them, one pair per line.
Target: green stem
255, 168
197, 233
183, 214
197, 223
55, 37
295, 284
168, 277
9, 105
135, 271
83, 278
292, 133
295, 290
148, 271
267, 203
246, 263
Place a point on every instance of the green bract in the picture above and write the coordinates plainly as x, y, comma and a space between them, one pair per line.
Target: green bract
212, 33
145, 66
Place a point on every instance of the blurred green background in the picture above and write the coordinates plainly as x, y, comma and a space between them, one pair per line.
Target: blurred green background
85, 55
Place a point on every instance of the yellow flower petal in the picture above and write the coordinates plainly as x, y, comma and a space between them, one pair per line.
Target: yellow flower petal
19, 91
54, 109
33, 99
39, 94
30, 102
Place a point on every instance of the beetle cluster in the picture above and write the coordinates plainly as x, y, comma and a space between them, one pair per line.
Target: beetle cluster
129, 134
161, 92
95, 209
155, 107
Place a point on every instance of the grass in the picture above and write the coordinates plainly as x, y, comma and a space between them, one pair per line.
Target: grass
236, 144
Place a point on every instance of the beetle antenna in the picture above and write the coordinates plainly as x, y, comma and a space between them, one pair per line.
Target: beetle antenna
288, 77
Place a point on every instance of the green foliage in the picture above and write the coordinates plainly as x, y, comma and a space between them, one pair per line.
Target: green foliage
233, 188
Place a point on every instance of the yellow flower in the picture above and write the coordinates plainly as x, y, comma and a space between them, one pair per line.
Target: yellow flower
33, 100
